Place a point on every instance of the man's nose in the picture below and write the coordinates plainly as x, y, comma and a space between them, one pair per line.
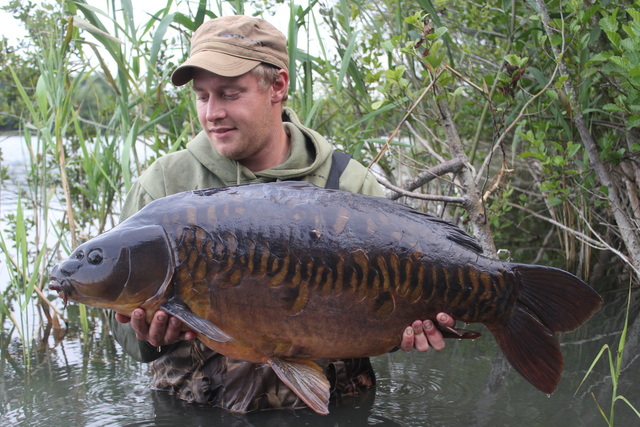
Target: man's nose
215, 110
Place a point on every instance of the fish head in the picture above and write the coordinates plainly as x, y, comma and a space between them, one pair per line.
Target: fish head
119, 270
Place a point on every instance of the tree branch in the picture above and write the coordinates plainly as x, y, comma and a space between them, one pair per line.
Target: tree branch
473, 205
399, 192
450, 166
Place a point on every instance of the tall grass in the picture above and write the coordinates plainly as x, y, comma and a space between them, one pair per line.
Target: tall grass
81, 161
51, 114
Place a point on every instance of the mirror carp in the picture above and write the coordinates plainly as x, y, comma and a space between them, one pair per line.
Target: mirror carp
288, 273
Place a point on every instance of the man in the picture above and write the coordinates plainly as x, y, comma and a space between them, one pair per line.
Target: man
239, 69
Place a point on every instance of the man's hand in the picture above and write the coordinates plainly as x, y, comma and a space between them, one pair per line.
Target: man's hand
423, 335
163, 330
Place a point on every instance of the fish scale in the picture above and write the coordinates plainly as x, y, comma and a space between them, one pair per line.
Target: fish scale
287, 273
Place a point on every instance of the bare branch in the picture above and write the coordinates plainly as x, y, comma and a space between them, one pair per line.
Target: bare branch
450, 166
598, 243
430, 197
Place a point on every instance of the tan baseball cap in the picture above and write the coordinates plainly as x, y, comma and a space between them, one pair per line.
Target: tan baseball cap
231, 46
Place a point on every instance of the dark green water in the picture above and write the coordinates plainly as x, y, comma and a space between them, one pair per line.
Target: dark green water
92, 383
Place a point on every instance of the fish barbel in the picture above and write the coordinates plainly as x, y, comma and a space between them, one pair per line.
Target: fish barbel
288, 273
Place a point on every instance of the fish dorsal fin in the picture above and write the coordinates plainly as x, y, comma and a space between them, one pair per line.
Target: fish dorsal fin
455, 233
306, 380
195, 322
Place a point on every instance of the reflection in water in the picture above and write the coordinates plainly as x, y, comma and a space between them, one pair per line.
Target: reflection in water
356, 411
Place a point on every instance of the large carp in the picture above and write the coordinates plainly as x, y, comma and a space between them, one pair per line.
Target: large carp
288, 273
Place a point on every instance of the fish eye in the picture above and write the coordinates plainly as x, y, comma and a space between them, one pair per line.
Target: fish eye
95, 257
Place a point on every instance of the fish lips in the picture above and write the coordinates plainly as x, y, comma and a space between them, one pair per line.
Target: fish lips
60, 285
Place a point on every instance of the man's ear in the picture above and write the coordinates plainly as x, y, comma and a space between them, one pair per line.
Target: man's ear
279, 87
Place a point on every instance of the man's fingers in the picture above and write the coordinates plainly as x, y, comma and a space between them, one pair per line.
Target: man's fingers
446, 320
433, 335
189, 335
158, 328
172, 333
139, 323
420, 343
407, 339
422, 335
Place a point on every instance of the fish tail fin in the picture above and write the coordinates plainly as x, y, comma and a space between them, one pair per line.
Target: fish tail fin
550, 300
559, 299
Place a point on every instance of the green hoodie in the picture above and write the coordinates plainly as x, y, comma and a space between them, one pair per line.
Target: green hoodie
200, 166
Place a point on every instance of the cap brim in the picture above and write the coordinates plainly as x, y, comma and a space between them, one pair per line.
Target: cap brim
214, 62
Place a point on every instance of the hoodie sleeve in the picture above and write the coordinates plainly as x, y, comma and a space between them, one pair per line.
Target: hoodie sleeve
358, 179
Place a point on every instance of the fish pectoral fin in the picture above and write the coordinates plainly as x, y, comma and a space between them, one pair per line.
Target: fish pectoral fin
459, 333
195, 322
306, 380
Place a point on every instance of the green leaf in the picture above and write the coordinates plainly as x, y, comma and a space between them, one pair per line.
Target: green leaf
84, 25
612, 108
573, 149
600, 57
633, 122
527, 154
609, 23
614, 38
634, 13
555, 201
41, 96
158, 38
346, 58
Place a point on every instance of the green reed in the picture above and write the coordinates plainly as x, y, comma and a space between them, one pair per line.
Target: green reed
50, 113
615, 364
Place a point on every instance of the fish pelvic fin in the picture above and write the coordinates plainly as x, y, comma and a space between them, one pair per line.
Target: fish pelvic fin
307, 380
549, 300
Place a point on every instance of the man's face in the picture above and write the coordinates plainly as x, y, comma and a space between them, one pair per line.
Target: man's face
237, 115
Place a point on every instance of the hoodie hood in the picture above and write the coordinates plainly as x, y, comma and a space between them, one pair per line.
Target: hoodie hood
307, 157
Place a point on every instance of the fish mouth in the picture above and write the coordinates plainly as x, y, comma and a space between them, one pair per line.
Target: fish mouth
62, 287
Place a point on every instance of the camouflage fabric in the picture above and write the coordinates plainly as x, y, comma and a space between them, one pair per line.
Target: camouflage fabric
197, 374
